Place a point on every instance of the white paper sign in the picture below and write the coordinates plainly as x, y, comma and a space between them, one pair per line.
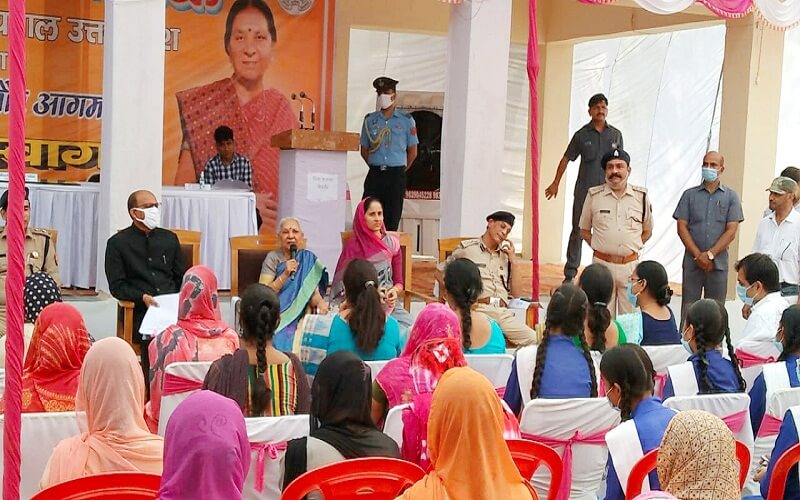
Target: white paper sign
157, 319
323, 187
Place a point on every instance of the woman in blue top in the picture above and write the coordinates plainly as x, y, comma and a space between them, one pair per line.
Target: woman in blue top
462, 286
628, 375
556, 368
788, 342
706, 328
787, 437
362, 325
648, 288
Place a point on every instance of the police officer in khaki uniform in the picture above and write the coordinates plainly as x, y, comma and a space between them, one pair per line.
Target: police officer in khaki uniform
616, 221
39, 253
496, 258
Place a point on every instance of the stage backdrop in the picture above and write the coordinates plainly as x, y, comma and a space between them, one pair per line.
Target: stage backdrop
247, 87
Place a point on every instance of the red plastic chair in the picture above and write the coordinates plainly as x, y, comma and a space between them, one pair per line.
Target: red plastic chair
647, 464
780, 471
116, 485
529, 455
374, 478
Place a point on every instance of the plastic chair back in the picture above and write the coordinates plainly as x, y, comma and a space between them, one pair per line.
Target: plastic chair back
376, 366
117, 485
495, 367
393, 425
780, 471
373, 478
647, 464
529, 455
194, 370
664, 356
274, 432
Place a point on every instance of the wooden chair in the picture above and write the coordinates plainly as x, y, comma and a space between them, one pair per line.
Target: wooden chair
405, 252
446, 248
190, 248
247, 255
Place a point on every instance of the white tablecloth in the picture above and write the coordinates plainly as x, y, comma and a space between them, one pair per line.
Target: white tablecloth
72, 211
218, 214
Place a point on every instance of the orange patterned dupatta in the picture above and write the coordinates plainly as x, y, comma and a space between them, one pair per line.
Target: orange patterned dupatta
203, 109
53, 364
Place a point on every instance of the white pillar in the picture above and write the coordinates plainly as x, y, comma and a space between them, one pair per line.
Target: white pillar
474, 115
133, 113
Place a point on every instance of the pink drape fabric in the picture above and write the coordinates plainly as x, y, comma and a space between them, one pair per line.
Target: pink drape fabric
747, 359
15, 278
264, 449
735, 421
533, 82
770, 426
175, 384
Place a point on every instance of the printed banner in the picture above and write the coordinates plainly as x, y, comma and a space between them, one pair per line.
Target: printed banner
228, 62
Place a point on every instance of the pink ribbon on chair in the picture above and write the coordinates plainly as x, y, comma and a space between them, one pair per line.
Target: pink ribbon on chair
263, 449
660, 380
501, 391
735, 421
175, 384
598, 437
770, 426
748, 359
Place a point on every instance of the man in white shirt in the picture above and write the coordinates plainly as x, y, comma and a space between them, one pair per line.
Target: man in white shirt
758, 286
778, 235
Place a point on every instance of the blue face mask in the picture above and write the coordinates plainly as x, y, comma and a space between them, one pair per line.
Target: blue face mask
741, 292
631, 296
685, 344
778, 345
709, 174
613, 406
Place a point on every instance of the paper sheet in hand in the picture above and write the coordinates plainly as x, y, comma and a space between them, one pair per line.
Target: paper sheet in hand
157, 319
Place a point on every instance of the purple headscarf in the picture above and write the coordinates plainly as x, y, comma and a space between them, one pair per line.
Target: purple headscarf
435, 321
206, 451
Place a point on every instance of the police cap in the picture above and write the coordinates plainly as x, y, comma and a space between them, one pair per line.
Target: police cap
502, 215
615, 154
384, 84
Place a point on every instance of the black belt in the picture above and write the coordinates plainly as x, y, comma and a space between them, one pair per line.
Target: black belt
384, 168
789, 289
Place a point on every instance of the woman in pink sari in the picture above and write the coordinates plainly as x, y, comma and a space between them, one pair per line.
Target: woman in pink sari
199, 335
394, 384
242, 102
371, 242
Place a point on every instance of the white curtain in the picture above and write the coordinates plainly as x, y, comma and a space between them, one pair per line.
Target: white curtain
664, 6
779, 13
662, 91
419, 63
789, 120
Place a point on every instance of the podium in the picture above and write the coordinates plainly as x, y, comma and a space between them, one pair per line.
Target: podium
313, 185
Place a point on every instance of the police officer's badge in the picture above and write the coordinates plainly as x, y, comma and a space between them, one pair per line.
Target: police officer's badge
296, 7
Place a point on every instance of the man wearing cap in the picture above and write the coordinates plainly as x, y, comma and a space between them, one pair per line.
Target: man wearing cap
389, 146
591, 143
778, 236
496, 259
708, 217
39, 253
616, 221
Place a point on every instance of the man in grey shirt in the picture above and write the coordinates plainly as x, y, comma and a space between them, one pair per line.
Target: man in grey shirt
591, 143
708, 217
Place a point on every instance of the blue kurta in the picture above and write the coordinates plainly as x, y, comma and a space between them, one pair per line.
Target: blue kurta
787, 437
651, 419
758, 394
496, 343
390, 346
720, 372
565, 375
660, 331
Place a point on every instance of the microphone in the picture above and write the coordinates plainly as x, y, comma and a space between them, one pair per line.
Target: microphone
292, 255
302, 120
313, 109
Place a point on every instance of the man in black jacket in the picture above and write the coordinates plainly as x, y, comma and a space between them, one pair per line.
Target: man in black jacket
143, 261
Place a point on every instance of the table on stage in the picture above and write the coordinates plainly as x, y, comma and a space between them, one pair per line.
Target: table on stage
72, 211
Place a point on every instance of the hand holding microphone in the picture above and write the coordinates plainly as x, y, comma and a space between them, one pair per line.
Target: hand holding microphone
292, 257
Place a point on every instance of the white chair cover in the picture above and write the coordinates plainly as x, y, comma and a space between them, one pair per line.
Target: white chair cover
2, 380
41, 432
684, 381
561, 419
495, 367
195, 370
393, 426
664, 356
376, 367
777, 405
274, 431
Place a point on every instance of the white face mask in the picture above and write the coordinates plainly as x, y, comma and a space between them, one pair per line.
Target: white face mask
152, 217
383, 101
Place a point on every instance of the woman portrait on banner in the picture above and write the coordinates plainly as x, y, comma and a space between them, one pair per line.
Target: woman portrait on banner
295, 274
243, 102
371, 242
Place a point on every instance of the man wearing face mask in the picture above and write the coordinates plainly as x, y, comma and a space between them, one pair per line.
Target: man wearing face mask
757, 286
389, 147
616, 221
143, 260
708, 217
39, 253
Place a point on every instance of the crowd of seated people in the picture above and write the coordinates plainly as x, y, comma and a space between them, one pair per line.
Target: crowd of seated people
455, 423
